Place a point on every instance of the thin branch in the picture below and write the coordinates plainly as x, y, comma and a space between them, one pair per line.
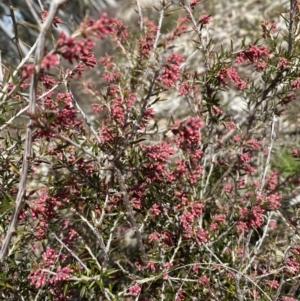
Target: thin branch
140, 14
34, 14
30, 127
89, 124
272, 138
130, 216
291, 25
198, 31
98, 235
70, 251
9, 33
15, 73
1, 70
12, 15
26, 108
62, 137
238, 274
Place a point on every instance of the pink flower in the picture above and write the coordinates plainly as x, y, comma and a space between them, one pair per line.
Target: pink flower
55, 21
145, 44
37, 278
217, 110
111, 76
204, 19
272, 283
204, 280
245, 157
253, 144
296, 83
230, 74
184, 88
260, 66
248, 168
106, 61
170, 73
201, 236
194, 3
50, 60
151, 266
241, 227
97, 108
252, 53
28, 70
273, 180
134, 290
180, 28
296, 249
219, 218
268, 28
49, 257
236, 138
254, 294
188, 132
117, 110
282, 63
155, 209
292, 265
61, 274
229, 125
288, 299
154, 237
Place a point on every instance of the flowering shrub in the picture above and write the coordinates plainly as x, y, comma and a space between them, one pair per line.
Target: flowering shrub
140, 205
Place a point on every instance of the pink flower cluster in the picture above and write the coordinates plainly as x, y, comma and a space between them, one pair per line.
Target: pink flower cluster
145, 43
79, 50
204, 19
170, 73
158, 154
184, 89
230, 74
268, 28
55, 21
39, 277
188, 132
254, 54
180, 28
56, 117
194, 3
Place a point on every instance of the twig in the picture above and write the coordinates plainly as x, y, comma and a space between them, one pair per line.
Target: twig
198, 31
89, 124
111, 235
260, 191
62, 137
285, 257
1, 70
9, 33
209, 175
238, 274
69, 250
98, 235
34, 14
272, 138
140, 14
25, 59
291, 25
12, 15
